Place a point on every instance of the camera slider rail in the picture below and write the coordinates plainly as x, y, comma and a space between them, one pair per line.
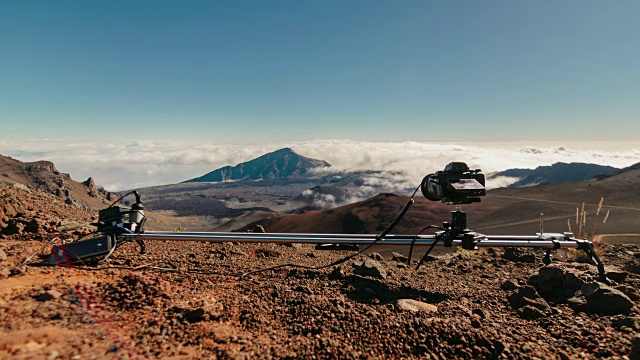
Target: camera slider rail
454, 233
107, 243
457, 184
466, 240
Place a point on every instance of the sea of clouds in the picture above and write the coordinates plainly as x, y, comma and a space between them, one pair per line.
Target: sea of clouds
120, 165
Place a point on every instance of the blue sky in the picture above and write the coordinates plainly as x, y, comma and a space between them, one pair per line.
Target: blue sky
256, 71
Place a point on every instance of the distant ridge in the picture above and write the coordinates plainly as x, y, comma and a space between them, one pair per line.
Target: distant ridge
627, 169
278, 164
627, 180
558, 172
43, 176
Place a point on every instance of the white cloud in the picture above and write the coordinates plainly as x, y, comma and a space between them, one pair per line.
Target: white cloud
120, 165
324, 201
500, 181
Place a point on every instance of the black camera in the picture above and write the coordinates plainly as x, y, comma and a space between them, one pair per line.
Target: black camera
455, 185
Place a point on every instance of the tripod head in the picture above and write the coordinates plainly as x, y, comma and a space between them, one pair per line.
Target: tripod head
456, 229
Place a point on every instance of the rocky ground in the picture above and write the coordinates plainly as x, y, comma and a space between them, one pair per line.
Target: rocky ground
189, 300
27, 214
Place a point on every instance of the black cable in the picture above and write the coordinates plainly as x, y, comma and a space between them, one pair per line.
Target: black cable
349, 257
115, 245
416, 238
241, 275
400, 216
35, 253
24, 262
120, 198
424, 257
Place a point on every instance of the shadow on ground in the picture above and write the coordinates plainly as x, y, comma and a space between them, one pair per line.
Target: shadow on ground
368, 291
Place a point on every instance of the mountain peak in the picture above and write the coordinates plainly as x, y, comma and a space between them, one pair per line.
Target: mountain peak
277, 164
285, 151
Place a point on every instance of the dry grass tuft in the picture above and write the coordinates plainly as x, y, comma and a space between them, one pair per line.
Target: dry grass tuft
583, 233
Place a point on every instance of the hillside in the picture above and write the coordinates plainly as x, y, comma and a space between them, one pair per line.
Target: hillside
188, 300
278, 164
191, 300
34, 215
620, 189
43, 176
558, 172
502, 211
364, 217
516, 209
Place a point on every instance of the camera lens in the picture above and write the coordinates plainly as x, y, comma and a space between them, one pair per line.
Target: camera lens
430, 188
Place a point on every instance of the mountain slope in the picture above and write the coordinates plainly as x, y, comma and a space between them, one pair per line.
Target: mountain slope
281, 163
625, 173
43, 176
625, 182
517, 206
558, 172
365, 217
503, 211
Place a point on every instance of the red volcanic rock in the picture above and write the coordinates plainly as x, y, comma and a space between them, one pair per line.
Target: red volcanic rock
93, 188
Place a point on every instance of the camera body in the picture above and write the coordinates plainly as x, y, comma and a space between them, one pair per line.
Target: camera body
121, 218
457, 184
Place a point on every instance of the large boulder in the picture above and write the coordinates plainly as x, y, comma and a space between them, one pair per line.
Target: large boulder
575, 286
616, 274
557, 283
370, 267
603, 299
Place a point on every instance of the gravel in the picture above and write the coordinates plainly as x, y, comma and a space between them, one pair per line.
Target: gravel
190, 301
459, 308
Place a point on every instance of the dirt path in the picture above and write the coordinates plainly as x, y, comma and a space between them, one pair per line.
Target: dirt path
614, 239
523, 222
565, 202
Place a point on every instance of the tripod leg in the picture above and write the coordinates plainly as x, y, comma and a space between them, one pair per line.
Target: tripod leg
143, 249
424, 257
602, 276
546, 259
